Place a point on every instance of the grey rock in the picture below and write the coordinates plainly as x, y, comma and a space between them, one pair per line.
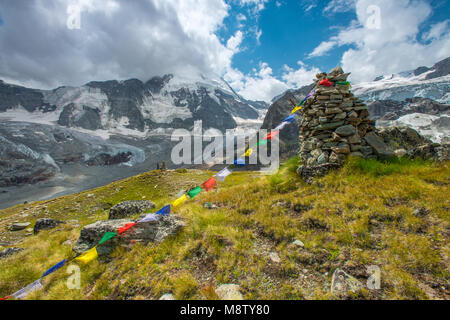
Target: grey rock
153, 231
9, 252
167, 296
45, 224
229, 292
381, 149
342, 283
346, 131
19, 226
128, 208
274, 257
329, 126
298, 243
400, 152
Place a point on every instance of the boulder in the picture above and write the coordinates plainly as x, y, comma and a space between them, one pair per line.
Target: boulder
381, 149
45, 224
151, 231
229, 292
128, 208
342, 283
9, 252
17, 226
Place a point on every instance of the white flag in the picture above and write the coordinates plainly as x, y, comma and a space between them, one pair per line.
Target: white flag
28, 289
149, 217
281, 126
223, 174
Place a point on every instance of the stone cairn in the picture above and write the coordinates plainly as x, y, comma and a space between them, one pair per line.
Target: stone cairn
336, 124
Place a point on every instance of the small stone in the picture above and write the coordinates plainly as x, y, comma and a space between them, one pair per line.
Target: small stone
274, 257
128, 208
229, 292
322, 159
354, 139
342, 148
19, 226
346, 131
340, 116
9, 251
400, 152
167, 296
298, 243
45, 224
342, 283
357, 154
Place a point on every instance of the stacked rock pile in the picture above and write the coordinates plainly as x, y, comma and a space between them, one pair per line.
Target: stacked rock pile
336, 124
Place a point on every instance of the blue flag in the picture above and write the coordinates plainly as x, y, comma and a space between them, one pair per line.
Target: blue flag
54, 268
239, 162
289, 119
164, 211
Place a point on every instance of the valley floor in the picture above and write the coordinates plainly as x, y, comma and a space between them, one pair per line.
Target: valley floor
391, 215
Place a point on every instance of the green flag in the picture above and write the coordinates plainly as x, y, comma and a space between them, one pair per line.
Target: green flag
107, 236
194, 192
262, 142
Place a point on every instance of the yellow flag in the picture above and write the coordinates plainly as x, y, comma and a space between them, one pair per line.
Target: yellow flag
88, 256
296, 109
248, 153
179, 201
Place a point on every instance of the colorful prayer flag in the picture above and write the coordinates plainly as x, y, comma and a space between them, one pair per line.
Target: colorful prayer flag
149, 217
280, 127
54, 268
248, 153
325, 82
28, 289
289, 119
179, 201
239, 162
272, 134
209, 184
164, 211
223, 174
107, 236
88, 256
262, 142
296, 109
5, 298
126, 227
194, 192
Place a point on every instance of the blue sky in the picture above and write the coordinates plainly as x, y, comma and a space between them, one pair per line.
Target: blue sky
285, 32
260, 47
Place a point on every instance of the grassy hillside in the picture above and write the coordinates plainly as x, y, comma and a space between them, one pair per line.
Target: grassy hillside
393, 215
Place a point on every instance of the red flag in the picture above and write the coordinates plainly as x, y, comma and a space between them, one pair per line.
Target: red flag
272, 135
325, 82
126, 227
209, 184
5, 298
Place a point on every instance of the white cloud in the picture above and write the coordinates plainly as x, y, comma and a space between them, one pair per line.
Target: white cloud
322, 48
437, 31
300, 77
118, 39
393, 47
257, 5
263, 85
235, 41
340, 6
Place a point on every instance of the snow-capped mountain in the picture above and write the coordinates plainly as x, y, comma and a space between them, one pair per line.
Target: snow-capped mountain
120, 107
432, 83
49, 137
419, 99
